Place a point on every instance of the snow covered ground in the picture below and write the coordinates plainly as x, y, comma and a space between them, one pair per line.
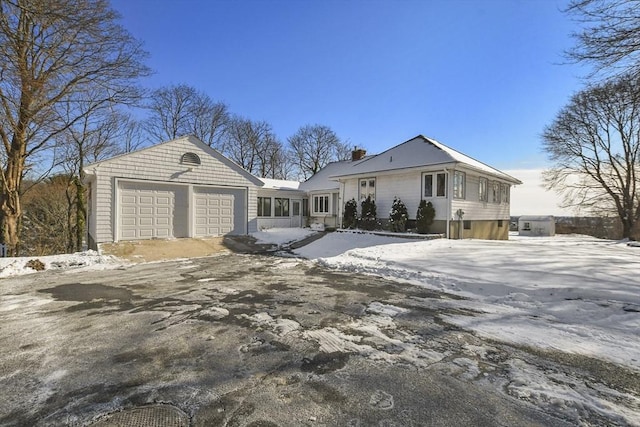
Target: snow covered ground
90, 260
572, 293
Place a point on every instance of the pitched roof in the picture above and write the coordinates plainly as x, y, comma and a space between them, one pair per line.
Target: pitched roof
322, 179
416, 153
279, 184
193, 140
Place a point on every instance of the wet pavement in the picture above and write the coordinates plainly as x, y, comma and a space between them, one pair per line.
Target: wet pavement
254, 340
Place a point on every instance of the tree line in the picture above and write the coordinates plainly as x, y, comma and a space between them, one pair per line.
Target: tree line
71, 94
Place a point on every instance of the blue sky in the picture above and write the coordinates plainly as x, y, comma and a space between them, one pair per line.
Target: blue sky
483, 77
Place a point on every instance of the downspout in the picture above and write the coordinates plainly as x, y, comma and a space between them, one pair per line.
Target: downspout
340, 203
448, 202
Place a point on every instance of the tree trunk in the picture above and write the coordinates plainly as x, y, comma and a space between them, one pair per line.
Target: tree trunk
627, 228
11, 219
11, 208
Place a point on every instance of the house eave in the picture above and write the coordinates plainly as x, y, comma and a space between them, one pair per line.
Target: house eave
425, 168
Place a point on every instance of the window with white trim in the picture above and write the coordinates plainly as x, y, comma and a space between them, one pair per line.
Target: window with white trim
440, 181
483, 190
367, 188
459, 183
495, 192
264, 206
281, 206
321, 204
504, 193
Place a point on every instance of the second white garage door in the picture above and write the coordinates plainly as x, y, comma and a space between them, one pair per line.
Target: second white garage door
213, 213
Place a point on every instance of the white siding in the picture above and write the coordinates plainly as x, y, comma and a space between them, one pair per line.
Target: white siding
161, 164
251, 213
473, 208
404, 186
408, 187
279, 221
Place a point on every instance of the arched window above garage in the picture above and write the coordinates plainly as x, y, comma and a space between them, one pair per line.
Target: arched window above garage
191, 159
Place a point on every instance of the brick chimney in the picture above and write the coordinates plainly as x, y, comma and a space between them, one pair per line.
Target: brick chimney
358, 154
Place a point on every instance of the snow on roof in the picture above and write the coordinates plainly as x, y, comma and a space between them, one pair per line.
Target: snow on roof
279, 184
322, 179
419, 152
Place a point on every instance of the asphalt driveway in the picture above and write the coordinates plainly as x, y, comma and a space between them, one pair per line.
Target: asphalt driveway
246, 340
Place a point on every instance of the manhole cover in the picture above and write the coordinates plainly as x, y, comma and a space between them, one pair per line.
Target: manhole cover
146, 416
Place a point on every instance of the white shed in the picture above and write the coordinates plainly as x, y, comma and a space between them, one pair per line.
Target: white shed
537, 225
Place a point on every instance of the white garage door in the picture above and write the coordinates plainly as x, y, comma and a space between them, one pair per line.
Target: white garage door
146, 211
213, 213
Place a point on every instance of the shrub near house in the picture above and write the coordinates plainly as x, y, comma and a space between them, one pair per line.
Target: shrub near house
350, 219
398, 216
424, 217
368, 219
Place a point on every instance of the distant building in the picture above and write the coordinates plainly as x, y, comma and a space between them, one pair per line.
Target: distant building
537, 225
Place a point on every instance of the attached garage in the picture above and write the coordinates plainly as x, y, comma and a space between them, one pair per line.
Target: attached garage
180, 188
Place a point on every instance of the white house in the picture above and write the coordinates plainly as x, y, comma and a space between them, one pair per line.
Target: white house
471, 199
537, 225
183, 188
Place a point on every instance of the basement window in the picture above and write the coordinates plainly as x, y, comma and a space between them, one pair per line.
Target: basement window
191, 159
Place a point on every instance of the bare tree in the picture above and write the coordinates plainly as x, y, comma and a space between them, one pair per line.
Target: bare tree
610, 38
182, 110
313, 147
594, 143
93, 137
254, 146
49, 52
132, 135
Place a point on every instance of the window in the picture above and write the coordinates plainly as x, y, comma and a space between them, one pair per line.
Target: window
504, 193
441, 184
281, 206
459, 181
368, 188
428, 185
321, 204
264, 206
499, 223
296, 208
467, 224
526, 226
483, 187
495, 192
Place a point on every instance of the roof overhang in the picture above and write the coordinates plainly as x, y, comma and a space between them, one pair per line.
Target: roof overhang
427, 168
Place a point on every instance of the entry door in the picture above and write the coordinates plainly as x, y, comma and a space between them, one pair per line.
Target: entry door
296, 213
